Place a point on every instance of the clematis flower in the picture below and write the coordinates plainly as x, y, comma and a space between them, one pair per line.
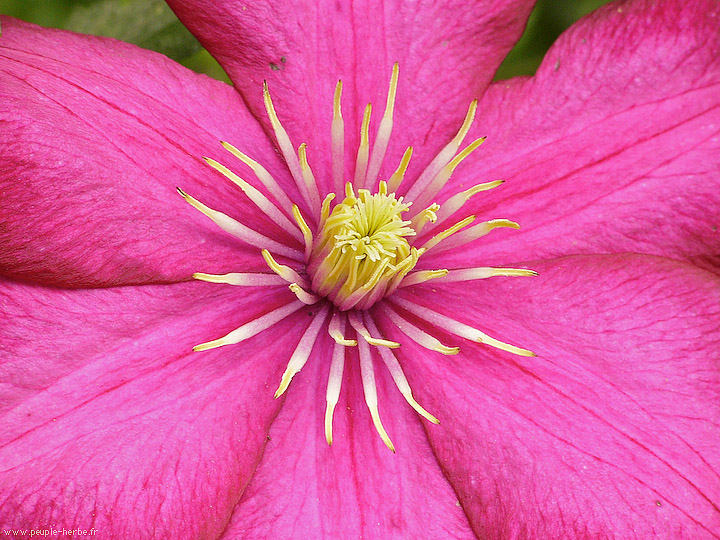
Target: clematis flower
609, 156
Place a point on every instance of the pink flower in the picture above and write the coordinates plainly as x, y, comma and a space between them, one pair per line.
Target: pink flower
609, 153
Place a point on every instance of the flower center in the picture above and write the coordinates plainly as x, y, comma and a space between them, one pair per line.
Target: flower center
361, 252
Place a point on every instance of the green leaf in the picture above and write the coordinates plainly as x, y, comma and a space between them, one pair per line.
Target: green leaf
150, 24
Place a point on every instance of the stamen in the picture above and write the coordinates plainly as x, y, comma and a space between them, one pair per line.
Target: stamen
361, 249
416, 334
325, 210
359, 293
262, 202
382, 187
242, 279
238, 230
444, 156
332, 395
253, 327
308, 176
288, 152
336, 329
435, 240
458, 328
384, 131
422, 276
454, 203
304, 296
370, 391
441, 178
396, 372
399, 174
307, 233
428, 215
266, 179
362, 155
285, 272
302, 352
467, 274
478, 231
338, 141
359, 327
403, 269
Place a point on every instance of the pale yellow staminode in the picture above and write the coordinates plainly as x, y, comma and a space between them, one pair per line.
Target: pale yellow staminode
360, 243
435, 240
307, 233
336, 370
446, 172
338, 140
454, 203
308, 176
475, 232
241, 278
262, 202
337, 330
444, 157
308, 191
363, 154
239, 230
360, 328
325, 210
252, 327
422, 276
262, 175
285, 272
396, 372
384, 131
304, 296
417, 335
370, 391
399, 175
467, 274
429, 215
302, 352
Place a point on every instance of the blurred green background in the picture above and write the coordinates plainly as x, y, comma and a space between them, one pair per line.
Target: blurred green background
152, 25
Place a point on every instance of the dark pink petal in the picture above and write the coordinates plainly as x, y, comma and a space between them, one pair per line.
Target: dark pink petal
96, 134
108, 418
448, 52
612, 430
357, 488
613, 146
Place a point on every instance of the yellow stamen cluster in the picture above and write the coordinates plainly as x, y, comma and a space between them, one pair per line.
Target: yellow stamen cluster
361, 253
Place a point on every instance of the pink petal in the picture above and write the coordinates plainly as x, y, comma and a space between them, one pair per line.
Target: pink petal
357, 488
612, 430
447, 51
109, 420
96, 134
613, 146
